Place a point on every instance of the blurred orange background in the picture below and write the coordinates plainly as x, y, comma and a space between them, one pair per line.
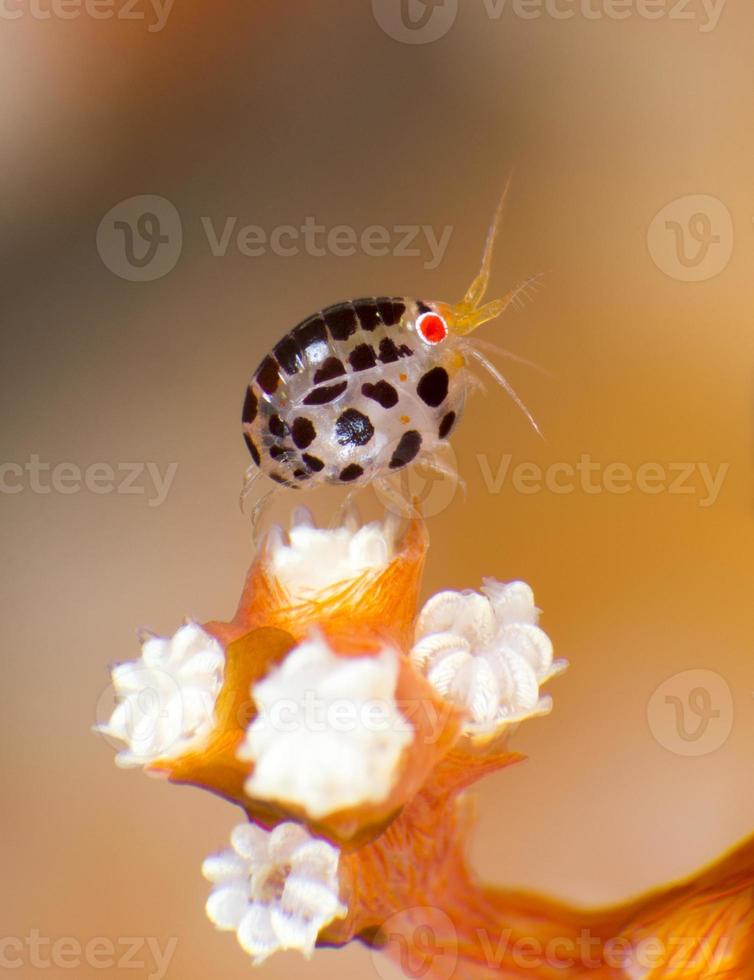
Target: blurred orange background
271, 114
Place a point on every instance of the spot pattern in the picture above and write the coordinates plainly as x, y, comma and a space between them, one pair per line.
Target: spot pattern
250, 406
280, 452
282, 480
328, 351
383, 393
391, 310
303, 432
368, 314
331, 368
351, 472
310, 332
251, 446
388, 351
433, 387
341, 321
321, 396
287, 354
362, 357
353, 428
406, 449
446, 425
399, 308
313, 463
268, 375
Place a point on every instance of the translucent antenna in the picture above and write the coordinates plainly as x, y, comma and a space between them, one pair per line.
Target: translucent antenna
469, 314
487, 345
490, 311
505, 385
251, 474
475, 292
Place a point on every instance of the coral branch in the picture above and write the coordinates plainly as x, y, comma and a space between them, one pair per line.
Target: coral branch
362, 818
432, 916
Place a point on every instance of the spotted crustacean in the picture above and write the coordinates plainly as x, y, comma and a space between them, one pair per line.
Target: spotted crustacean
363, 388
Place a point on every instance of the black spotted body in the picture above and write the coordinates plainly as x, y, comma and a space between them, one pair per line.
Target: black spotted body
354, 392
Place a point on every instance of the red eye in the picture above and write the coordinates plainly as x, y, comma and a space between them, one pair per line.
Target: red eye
432, 328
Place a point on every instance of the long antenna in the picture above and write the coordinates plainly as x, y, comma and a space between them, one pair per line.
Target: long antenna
477, 289
505, 385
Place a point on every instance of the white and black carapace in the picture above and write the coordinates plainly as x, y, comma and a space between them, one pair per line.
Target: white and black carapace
363, 388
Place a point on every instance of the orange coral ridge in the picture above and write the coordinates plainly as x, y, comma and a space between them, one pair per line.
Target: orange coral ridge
404, 872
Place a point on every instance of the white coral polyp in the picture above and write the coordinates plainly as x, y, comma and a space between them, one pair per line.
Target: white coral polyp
329, 734
314, 559
486, 653
166, 699
275, 890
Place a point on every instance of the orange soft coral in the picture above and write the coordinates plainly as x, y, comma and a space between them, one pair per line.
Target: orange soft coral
320, 615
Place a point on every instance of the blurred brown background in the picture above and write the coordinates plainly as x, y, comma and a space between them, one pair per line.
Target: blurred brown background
271, 113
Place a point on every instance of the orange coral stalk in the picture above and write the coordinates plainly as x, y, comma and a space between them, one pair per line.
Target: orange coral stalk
412, 895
